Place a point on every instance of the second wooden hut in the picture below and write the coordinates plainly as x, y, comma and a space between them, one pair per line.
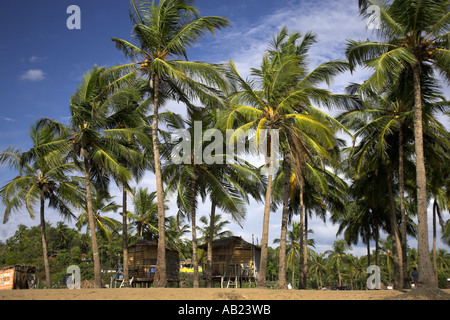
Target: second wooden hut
142, 263
234, 260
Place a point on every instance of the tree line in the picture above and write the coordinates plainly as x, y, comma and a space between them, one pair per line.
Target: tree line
66, 246
397, 164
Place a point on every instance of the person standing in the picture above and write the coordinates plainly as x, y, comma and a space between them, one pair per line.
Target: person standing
415, 277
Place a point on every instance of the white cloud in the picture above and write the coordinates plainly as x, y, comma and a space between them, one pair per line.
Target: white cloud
332, 21
33, 59
33, 75
8, 119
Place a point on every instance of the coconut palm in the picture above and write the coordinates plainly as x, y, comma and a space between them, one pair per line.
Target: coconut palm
225, 184
131, 114
383, 121
219, 228
376, 139
162, 33
387, 255
145, 216
318, 267
44, 175
102, 203
413, 34
280, 97
94, 141
176, 232
337, 257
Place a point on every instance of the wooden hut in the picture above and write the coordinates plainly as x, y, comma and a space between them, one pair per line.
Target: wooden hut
17, 277
234, 260
142, 263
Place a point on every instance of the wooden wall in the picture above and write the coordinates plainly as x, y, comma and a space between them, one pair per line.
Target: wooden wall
142, 263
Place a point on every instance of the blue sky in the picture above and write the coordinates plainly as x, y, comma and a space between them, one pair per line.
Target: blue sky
43, 62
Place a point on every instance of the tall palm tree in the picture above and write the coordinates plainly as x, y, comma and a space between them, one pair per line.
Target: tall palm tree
240, 176
413, 34
191, 180
280, 97
162, 34
94, 141
131, 114
376, 141
44, 175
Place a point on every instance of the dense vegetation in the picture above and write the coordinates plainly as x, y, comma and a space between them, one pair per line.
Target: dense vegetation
398, 163
70, 247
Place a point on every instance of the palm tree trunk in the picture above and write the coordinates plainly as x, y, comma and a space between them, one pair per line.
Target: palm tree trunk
368, 243
126, 278
301, 280
339, 277
396, 243
293, 273
305, 250
434, 238
261, 282
210, 241
97, 266
281, 284
44, 244
401, 181
318, 281
426, 277
194, 235
161, 268
377, 236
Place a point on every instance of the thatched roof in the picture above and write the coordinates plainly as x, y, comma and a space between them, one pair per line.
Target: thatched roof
146, 243
226, 242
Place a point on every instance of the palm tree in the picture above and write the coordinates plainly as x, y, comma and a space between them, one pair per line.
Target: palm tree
43, 175
145, 216
318, 267
442, 260
387, 254
191, 180
176, 232
162, 33
280, 98
376, 141
218, 228
94, 140
338, 256
102, 204
130, 114
414, 34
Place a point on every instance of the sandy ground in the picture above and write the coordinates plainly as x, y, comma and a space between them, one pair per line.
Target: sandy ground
195, 294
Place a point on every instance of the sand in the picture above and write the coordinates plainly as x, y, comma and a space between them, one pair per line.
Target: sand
181, 294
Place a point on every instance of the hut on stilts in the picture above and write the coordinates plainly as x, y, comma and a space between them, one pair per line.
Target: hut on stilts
233, 261
142, 263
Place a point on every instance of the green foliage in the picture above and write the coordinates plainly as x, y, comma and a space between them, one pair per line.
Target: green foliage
25, 248
111, 135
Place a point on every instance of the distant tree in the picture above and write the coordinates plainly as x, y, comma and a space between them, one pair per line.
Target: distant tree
44, 175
